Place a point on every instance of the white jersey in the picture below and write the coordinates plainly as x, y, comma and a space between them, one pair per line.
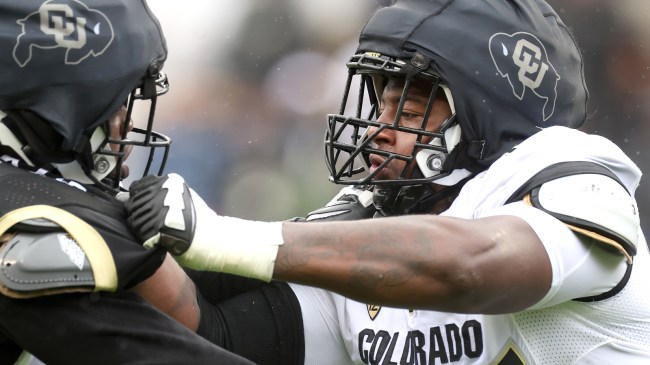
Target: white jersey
557, 330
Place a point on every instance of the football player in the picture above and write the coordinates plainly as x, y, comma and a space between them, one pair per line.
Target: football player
499, 233
75, 285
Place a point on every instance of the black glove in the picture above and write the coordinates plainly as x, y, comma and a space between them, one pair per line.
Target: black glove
351, 203
161, 212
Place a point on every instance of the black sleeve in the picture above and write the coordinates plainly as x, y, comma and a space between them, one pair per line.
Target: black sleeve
216, 287
263, 324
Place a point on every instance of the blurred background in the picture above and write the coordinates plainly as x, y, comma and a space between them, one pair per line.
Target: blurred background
252, 80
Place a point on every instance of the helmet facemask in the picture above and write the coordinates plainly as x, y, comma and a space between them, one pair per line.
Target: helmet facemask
100, 160
349, 142
350, 139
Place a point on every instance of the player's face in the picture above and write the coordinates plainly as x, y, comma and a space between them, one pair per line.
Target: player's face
117, 123
412, 114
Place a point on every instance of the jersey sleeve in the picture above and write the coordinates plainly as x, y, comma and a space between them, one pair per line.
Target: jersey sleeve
323, 341
581, 267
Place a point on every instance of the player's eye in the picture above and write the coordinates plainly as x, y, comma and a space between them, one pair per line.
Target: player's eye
408, 115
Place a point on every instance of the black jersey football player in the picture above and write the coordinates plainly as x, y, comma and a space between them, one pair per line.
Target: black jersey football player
76, 287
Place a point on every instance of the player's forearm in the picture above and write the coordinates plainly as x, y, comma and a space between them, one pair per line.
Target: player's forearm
419, 262
416, 261
383, 261
171, 291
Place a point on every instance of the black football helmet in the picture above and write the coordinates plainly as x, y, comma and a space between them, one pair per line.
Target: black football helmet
67, 66
514, 71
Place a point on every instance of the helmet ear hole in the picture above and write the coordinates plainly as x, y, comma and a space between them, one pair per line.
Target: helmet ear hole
89, 161
431, 161
435, 162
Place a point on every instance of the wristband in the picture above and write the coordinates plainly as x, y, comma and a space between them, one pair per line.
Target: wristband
232, 245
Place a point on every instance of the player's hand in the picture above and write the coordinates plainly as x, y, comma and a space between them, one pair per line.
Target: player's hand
165, 212
351, 203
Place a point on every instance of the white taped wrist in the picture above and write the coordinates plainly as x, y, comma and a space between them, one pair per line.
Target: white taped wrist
232, 245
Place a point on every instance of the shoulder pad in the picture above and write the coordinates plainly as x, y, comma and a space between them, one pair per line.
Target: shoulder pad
36, 262
594, 205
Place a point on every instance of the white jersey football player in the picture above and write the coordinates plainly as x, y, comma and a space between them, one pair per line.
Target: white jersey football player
497, 233
578, 321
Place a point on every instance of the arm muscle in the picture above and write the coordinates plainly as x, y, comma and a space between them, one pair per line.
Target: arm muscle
429, 262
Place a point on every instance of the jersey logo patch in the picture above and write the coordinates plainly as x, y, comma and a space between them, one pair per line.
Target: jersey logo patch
67, 24
373, 310
522, 59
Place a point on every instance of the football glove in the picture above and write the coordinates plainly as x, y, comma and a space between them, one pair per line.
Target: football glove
165, 212
351, 203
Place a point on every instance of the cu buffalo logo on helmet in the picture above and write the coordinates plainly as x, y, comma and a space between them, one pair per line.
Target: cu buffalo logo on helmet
63, 24
522, 59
